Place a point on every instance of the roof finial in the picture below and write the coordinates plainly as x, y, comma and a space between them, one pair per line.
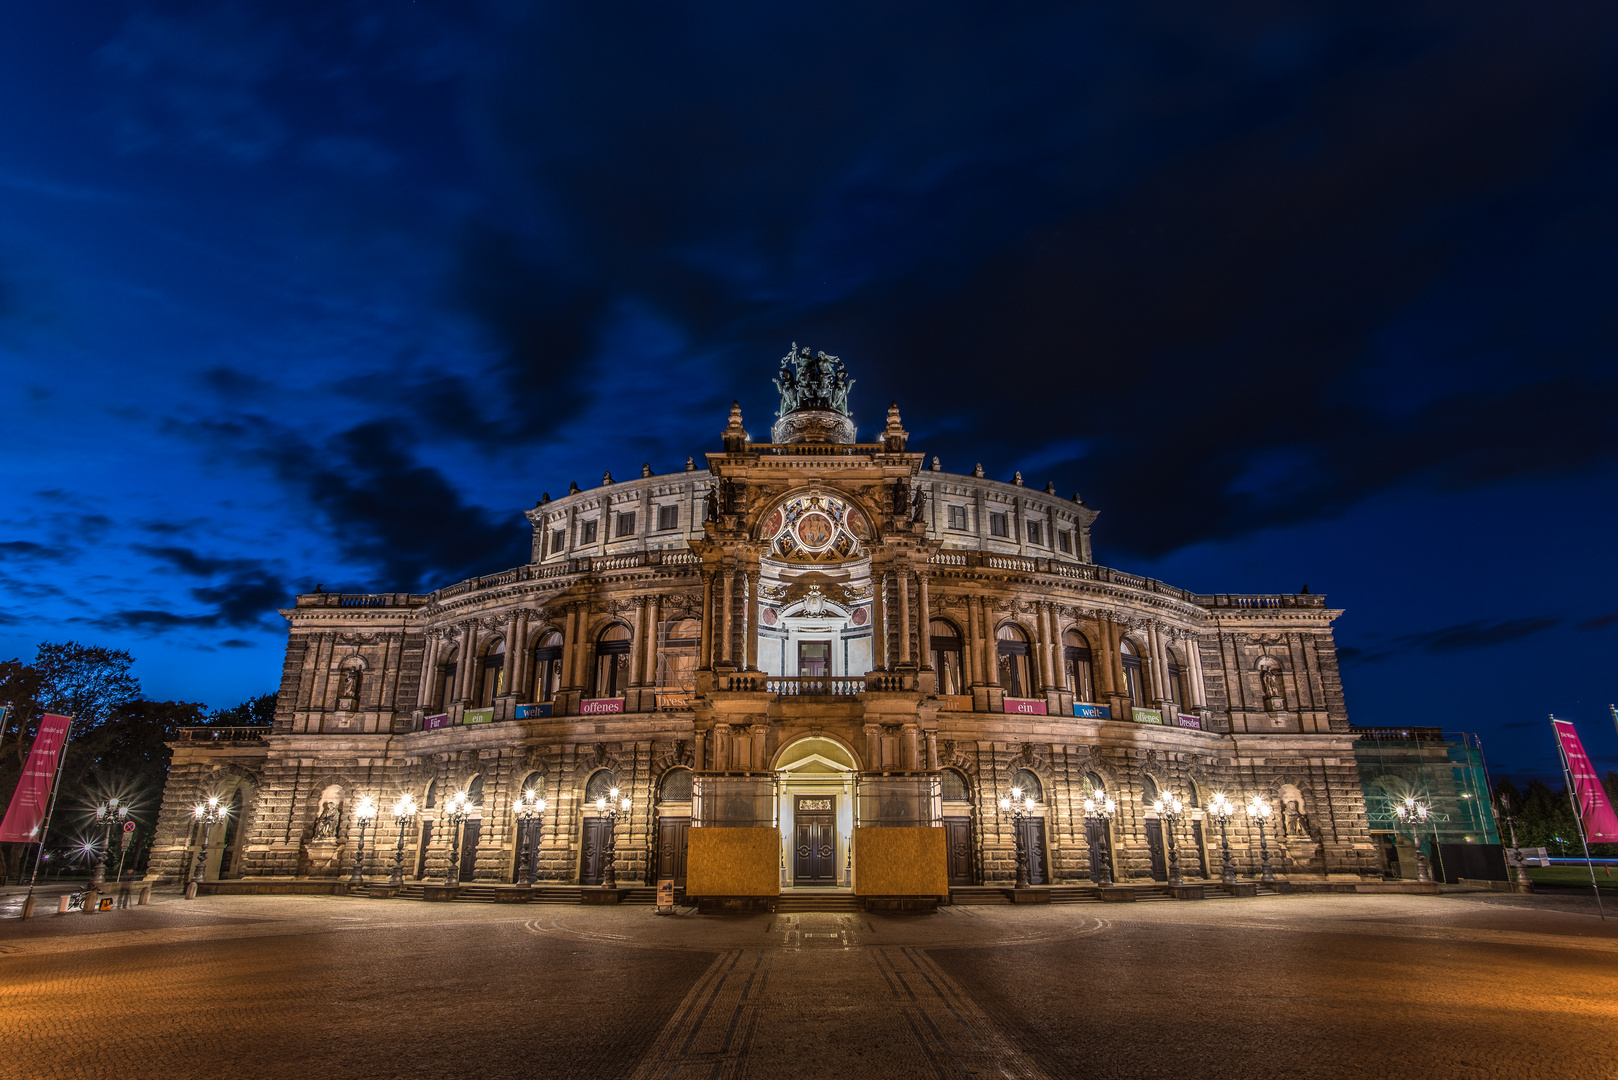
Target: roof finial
1016, 478
894, 435
735, 436
606, 479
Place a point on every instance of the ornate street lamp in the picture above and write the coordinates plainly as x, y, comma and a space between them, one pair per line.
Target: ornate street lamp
208, 814
1098, 811
1019, 806
611, 805
108, 814
1169, 808
1413, 812
404, 810
529, 809
456, 811
363, 813
1260, 812
1519, 872
1222, 810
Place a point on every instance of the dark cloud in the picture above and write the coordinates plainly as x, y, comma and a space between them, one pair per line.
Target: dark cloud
236, 643
1480, 634
1600, 621
234, 385
245, 599
28, 549
188, 561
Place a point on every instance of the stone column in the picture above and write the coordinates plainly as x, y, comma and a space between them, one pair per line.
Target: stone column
721, 747
648, 663
873, 746
1193, 661
924, 622
699, 747
879, 620
904, 615
705, 648
932, 751
509, 674
570, 632
463, 670
1042, 647
725, 623
756, 734
912, 745
637, 631
991, 647
751, 630
429, 672
971, 651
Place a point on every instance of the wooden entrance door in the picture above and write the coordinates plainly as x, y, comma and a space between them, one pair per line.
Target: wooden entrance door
597, 832
421, 849
958, 848
1154, 848
672, 834
814, 841
1198, 838
1033, 838
470, 834
814, 658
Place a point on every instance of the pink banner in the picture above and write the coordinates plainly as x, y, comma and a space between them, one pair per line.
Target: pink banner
32, 798
592, 706
1600, 823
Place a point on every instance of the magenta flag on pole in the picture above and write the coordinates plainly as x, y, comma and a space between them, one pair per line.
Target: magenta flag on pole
33, 795
1600, 823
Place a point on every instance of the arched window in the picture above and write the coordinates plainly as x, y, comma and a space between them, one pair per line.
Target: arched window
548, 666
492, 680
1134, 681
612, 661
953, 786
444, 681
677, 662
601, 782
430, 800
1013, 649
1175, 691
1193, 793
535, 782
474, 791
1077, 667
675, 787
1028, 783
946, 641
1148, 789
1093, 784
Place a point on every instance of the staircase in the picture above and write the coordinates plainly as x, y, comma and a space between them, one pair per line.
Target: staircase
791, 903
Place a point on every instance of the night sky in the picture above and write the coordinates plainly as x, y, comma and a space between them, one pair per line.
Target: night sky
1292, 293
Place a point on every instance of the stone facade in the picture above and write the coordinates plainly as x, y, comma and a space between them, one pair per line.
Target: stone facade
818, 611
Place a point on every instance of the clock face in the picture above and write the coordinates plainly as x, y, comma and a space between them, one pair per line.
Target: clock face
815, 531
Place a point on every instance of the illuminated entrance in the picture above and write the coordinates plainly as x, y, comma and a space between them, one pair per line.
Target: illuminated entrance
817, 812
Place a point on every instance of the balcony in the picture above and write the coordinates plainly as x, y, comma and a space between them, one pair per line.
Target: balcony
212, 734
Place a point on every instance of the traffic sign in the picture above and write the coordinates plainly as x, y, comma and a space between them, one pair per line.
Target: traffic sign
129, 826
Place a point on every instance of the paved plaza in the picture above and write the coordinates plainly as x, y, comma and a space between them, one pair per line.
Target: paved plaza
1460, 985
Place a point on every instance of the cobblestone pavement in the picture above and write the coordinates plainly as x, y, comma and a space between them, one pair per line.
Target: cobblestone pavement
1294, 987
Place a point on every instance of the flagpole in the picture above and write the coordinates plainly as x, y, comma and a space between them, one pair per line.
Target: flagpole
44, 831
1578, 815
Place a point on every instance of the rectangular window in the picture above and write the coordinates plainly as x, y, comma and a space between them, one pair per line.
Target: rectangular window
957, 517
558, 540
1064, 540
1036, 534
997, 524
668, 517
587, 532
626, 524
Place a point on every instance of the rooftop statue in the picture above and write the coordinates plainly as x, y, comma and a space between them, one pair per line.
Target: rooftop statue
813, 381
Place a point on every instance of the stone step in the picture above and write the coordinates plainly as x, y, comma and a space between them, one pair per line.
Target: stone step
796, 904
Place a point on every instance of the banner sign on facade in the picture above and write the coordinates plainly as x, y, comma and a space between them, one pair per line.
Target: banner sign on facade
1600, 824
1092, 712
592, 706
528, 712
1147, 716
1026, 706
1192, 722
478, 716
433, 723
31, 801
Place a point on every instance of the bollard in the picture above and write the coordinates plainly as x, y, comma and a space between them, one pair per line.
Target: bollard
145, 895
28, 907
191, 890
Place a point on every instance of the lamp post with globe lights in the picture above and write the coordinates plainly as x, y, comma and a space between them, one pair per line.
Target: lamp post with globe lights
109, 814
1098, 811
456, 810
364, 813
404, 811
611, 805
1169, 808
1519, 872
1260, 810
207, 814
530, 808
1221, 809
1019, 806
1414, 813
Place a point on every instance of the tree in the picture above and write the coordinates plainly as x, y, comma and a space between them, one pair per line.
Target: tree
258, 710
85, 682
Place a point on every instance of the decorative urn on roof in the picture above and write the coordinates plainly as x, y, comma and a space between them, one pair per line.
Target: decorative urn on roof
814, 399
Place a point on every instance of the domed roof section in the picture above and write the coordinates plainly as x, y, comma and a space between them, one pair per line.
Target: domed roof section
814, 399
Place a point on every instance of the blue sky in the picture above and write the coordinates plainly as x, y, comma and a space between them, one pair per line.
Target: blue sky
1304, 293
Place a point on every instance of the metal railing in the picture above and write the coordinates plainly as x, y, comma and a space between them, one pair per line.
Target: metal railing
213, 734
815, 685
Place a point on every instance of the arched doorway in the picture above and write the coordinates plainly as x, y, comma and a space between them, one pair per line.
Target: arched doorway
596, 832
673, 823
1033, 825
955, 793
817, 812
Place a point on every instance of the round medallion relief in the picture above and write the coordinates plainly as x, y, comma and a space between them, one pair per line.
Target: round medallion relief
860, 617
768, 617
773, 525
815, 531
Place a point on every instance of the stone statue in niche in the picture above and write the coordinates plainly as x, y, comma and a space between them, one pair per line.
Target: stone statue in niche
710, 504
328, 815
348, 697
918, 504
